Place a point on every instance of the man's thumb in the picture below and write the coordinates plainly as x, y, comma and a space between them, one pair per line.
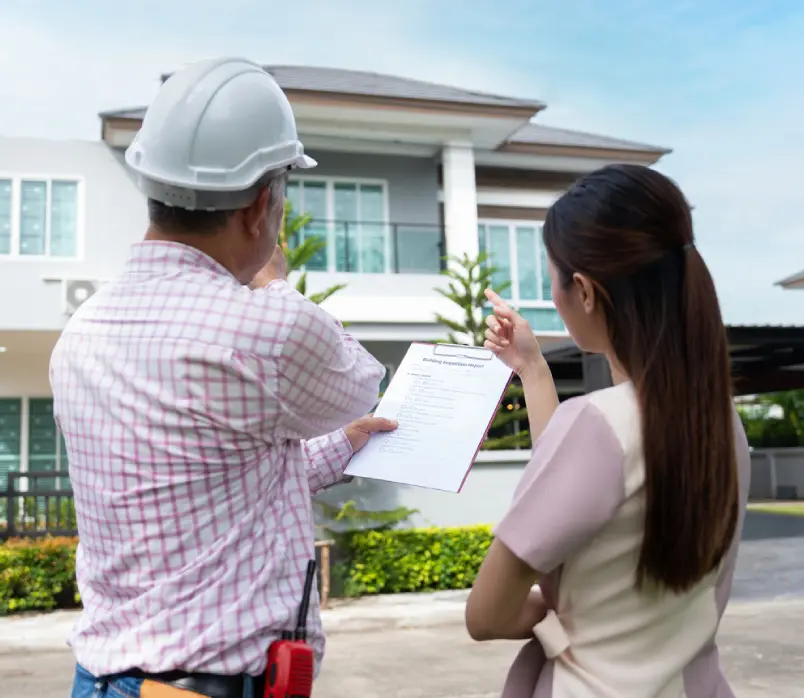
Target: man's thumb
381, 424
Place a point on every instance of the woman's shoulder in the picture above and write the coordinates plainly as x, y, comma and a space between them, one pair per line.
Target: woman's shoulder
616, 408
607, 425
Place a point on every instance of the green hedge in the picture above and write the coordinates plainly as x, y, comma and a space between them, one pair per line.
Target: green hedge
37, 575
388, 562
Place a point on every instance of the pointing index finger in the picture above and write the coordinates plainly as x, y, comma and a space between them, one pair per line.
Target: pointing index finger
493, 296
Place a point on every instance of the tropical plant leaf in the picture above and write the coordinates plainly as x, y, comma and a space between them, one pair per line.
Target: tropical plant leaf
301, 284
321, 296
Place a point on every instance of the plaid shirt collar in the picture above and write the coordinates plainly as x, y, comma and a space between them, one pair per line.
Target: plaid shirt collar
154, 257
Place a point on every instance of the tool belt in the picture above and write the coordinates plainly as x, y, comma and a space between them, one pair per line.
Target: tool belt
191, 685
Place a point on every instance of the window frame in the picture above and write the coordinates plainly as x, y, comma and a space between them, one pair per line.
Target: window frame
16, 215
330, 181
60, 473
512, 224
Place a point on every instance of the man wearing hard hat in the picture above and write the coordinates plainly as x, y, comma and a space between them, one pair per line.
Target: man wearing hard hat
202, 401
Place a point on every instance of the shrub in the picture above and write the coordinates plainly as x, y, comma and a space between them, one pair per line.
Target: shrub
433, 559
37, 575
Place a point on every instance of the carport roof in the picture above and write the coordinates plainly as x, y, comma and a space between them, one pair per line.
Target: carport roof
764, 358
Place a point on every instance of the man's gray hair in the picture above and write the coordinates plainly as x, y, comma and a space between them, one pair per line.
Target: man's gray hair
211, 210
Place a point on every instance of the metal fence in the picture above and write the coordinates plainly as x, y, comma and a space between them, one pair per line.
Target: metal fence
35, 504
40, 503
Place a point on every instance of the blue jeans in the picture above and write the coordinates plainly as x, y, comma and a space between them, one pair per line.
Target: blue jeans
85, 685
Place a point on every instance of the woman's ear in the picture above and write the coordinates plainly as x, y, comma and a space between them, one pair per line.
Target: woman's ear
585, 291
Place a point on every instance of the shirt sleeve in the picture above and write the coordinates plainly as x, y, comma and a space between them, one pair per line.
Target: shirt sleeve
325, 459
572, 487
325, 378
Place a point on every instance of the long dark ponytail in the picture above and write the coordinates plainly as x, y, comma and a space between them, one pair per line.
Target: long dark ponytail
629, 230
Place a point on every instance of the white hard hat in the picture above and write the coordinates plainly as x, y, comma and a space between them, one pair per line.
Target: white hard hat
213, 133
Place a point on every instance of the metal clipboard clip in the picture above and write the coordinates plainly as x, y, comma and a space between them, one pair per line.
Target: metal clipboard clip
463, 352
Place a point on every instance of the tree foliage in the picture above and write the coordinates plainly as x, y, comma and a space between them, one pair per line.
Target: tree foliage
774, 420
467, 279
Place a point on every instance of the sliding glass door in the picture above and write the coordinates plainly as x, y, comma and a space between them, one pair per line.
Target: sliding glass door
351, 217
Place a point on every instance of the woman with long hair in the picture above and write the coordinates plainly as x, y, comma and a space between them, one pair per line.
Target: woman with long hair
629, 513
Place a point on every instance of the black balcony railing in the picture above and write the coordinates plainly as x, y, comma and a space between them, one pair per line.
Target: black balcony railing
376, 248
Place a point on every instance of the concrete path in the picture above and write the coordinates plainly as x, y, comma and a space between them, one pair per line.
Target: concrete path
416, 647
761, 647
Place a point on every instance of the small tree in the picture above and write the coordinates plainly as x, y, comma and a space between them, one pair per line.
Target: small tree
299, 250
468, 279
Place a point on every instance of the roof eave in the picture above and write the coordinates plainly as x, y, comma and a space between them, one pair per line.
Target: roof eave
794, 281
651, 155
519, 109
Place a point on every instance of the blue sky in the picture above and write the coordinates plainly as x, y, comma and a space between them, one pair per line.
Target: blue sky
722, 83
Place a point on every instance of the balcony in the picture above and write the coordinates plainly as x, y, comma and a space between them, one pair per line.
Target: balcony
375, 248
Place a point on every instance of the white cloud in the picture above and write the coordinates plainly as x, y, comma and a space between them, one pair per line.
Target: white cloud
117, 63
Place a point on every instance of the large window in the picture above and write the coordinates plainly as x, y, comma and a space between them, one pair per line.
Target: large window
351, 217
39, 217
517, 252
10, 438
42, 450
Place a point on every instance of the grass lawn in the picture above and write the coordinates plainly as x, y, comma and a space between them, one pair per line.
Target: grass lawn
789, 508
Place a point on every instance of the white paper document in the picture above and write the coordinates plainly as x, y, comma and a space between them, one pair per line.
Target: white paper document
444, 397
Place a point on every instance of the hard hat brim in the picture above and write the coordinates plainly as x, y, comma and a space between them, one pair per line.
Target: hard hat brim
305, 162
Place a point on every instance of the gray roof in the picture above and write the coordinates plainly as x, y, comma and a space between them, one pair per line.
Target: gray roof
536, 134
357, 82
795, 279
354, 82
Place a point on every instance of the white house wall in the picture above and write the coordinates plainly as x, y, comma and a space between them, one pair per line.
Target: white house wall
112, 215
24, 365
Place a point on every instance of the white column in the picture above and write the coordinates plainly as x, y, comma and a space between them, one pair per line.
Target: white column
460, 198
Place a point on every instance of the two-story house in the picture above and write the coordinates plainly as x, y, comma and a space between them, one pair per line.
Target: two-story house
408, 171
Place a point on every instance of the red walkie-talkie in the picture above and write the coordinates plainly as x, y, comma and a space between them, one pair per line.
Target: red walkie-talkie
289, 673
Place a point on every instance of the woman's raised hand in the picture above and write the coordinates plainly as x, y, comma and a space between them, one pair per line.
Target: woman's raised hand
510, 337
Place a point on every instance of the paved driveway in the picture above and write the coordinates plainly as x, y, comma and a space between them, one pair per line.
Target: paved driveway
761, 647
427, 656
771, 562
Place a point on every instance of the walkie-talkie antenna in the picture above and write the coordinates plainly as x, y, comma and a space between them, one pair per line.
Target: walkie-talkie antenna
301, 626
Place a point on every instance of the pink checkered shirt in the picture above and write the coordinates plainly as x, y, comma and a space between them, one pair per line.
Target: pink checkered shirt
199, 416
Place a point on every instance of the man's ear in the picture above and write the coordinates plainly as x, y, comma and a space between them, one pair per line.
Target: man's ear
586, 292
254, 215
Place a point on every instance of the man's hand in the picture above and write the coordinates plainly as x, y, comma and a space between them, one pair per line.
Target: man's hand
275, 270
359, 431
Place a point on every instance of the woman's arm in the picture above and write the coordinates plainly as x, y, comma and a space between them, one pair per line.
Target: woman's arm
503, 605
541, 397
511, 338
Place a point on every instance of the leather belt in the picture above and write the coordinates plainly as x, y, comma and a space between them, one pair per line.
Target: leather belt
212, 685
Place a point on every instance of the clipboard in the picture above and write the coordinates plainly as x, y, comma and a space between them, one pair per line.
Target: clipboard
444, 397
